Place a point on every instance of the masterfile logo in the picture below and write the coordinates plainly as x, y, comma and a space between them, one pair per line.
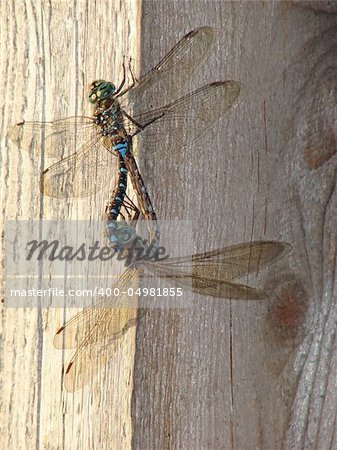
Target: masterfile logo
47, 262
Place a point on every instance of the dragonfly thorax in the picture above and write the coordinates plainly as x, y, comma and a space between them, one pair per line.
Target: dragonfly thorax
110, 121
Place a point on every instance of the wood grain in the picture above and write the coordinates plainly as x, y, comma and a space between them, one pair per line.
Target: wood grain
236, 375
50, 52
222, 374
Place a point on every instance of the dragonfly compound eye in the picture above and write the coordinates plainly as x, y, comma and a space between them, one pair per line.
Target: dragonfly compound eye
100, 90
125, 234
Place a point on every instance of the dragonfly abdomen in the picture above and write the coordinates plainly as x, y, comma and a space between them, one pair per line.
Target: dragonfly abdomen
143, 199
114, 207
120, 190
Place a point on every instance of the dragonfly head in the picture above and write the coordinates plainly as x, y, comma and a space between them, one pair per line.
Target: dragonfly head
101, 90
125, 234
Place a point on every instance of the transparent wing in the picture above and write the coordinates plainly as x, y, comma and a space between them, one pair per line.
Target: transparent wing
212, 272
57, 139
108, 318
89, 360
89, 170
234, 261
95, 332
182, 122
162, 83
219, 288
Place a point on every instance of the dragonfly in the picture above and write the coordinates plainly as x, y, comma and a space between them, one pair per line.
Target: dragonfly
95, 332
86, 149
152, 107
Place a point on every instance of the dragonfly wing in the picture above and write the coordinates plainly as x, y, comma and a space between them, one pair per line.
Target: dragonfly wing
87, 363
182, 122
56, 139
75, 331
109, 318
226, 289
81, 174
211, 273
95, 332
203, 284
162, 83
239, 260
234, 261
89, 360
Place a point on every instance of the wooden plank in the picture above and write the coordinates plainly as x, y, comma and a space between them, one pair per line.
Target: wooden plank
50, 52
226, 375
245, 375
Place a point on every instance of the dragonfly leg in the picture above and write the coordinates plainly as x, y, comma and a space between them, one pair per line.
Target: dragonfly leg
129, 205
138, 125
132, 85
120, 87
141, 127
134, 79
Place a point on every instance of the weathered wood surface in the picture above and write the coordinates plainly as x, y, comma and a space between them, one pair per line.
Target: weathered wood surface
221, 375
50, 52
235, 375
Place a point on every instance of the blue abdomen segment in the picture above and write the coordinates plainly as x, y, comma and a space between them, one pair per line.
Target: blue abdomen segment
122, 148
